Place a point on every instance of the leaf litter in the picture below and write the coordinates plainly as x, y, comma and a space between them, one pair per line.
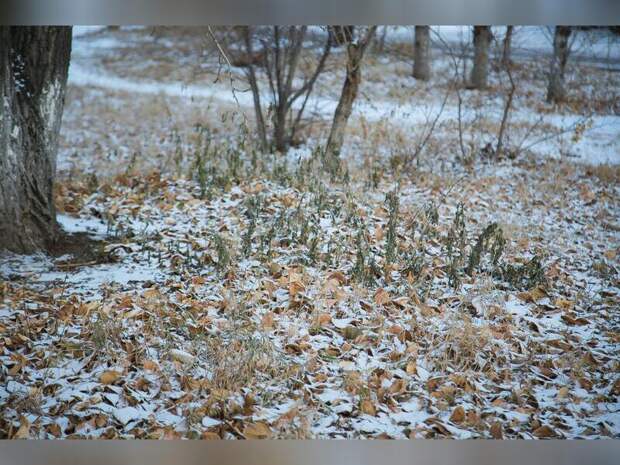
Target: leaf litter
275, 301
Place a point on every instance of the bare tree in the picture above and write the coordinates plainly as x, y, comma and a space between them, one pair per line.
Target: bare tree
379, 42
556, 91
421, 60
507, 46
279, 56
480, 71
357, 40
34, 63
507, 107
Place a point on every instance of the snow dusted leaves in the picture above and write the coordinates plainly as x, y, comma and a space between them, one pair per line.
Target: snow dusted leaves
274, 345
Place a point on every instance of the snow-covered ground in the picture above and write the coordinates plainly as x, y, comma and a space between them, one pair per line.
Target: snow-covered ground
600, 143
258, 299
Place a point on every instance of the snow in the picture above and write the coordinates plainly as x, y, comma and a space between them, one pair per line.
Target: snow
128, 414
209, 422
92, 226
79, 322
80, 31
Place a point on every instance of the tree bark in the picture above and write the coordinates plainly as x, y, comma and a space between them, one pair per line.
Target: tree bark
556, 91
355, 55
480, 71
507, 49
421, 60
34, 63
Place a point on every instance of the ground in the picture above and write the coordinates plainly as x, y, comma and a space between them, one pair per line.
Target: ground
422, 288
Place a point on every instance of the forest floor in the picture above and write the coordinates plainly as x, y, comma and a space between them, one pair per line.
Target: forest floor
421, 289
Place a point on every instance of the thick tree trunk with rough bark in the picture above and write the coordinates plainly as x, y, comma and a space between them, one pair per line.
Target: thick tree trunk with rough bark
34, 63
556, 91
482, 40
355, 55
421, 59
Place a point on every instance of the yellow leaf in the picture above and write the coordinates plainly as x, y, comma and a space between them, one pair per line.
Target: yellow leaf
563, 392
109, 377
411, 368
257, 431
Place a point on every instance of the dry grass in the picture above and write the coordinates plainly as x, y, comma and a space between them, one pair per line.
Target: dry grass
605, 173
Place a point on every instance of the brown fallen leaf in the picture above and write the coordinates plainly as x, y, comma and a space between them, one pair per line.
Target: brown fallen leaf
398, 387
267, 322
533, 295
258, 430
497, 431
24, 429
458, 415
564, 304
368, 407
382, 297
338, 276
109, 377
324, 319
150, 365
544, 431
585, 383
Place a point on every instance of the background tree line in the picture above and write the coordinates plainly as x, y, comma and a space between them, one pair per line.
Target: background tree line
34, 64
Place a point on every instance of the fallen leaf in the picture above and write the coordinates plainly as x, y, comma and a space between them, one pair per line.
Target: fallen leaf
564, 304
544, 431
257, 431
150, 365
24, 429
411, 368
181, 356
368, 407
338, 276
458, 415
324, 319
381, 297
267, 321
109, 377
497, 430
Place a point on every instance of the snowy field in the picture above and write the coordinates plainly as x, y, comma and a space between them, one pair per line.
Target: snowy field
266, 298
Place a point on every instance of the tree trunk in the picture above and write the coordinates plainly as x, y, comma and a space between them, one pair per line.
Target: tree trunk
556, 91
355, 54
482, 40
507, 49
34, 63
421, 60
